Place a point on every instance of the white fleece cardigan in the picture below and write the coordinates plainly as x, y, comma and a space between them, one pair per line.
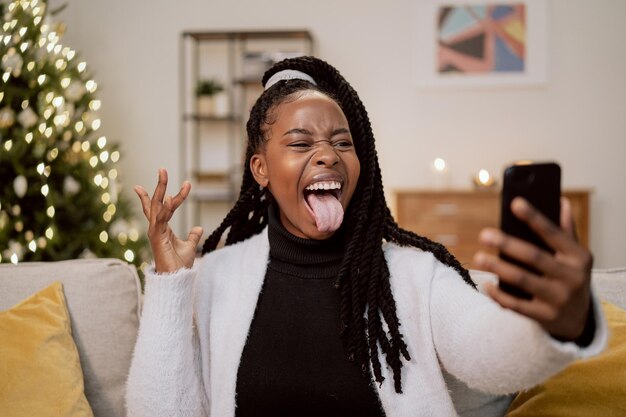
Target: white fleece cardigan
195, 324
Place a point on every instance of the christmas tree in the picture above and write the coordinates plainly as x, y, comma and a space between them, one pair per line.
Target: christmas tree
59, 191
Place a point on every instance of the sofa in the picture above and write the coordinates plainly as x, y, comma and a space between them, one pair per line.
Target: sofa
104, 301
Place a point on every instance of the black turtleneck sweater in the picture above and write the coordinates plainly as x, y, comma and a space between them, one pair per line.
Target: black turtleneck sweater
294, 362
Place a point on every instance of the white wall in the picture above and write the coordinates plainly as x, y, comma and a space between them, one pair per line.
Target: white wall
579, 118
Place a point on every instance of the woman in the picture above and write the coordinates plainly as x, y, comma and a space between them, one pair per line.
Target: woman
301, 312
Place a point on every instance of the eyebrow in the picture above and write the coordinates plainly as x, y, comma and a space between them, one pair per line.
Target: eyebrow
308, 132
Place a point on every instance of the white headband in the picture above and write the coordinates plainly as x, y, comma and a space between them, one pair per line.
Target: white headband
288, 74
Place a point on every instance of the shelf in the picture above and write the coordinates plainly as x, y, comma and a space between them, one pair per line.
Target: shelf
301, 34
212, 147
205, 193
206, 118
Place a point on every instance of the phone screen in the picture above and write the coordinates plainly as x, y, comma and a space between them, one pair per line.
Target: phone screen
540, 184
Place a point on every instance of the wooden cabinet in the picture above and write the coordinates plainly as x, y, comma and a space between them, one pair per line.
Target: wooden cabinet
456, 217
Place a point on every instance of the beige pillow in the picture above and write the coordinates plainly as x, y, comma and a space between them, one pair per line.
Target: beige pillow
40, 372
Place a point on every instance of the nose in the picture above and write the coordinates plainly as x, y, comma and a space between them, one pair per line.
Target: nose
325, 155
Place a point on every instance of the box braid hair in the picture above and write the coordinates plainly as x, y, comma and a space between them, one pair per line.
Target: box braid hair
363, 279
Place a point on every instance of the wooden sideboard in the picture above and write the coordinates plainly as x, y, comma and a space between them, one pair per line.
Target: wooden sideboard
456, 217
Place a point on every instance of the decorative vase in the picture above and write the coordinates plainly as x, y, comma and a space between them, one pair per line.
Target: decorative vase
221, 105
206, 105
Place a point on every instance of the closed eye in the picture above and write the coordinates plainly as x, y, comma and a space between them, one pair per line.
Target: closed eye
343, 144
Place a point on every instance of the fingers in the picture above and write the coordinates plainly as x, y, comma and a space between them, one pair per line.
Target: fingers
539, 287
195, 235
521, 251
144, 198
178, 199
159, 191
556, 238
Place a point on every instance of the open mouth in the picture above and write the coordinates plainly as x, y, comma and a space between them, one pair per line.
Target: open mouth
324, 187
322, 201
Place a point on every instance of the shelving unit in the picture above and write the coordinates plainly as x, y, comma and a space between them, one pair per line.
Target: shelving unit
212, 147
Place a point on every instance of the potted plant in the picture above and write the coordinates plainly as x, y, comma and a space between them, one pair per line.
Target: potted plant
208, 92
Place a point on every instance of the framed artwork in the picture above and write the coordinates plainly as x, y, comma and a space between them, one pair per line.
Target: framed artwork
481, 42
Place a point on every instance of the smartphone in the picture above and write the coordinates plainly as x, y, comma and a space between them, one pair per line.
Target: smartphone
540, 184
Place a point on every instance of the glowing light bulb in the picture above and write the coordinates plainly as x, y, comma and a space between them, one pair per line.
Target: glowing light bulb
45, 189
104, 236
439, 164
483, 176
49, 233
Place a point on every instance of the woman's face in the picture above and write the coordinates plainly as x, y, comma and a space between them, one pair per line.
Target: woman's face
309, 164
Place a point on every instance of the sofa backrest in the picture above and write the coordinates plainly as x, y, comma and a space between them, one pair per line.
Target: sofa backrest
103, 298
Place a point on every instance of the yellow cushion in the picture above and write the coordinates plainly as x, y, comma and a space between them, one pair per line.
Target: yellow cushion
40, 373
587, 388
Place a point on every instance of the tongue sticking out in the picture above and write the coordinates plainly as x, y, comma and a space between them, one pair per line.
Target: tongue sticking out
327, 210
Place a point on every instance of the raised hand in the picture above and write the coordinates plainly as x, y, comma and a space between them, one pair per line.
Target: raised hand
561, 296
170, 252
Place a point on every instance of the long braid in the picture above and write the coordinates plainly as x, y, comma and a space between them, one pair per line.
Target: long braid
366, 299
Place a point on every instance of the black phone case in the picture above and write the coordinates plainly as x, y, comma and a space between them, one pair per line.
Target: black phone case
540, 184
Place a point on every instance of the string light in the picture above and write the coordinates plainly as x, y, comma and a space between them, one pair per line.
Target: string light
65, 82
81, 66
50, 212
8, 145
93, 161
97, 180
14, 259
32, 245
133, 235
45, 189
58, 101
104, 156
122, 238
113, 172
49, 233
95, 105
102, 141
115, 156
40, 167
85, 146
91, 85
28, 137
95, 125
30, 66
106, 198
41, 79
129, 255
104, 236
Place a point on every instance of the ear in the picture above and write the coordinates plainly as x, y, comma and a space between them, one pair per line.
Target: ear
258, 166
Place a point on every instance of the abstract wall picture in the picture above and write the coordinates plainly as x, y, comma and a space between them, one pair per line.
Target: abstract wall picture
481, 38
481, 42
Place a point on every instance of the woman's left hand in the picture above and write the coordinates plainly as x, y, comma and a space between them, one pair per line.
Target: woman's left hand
561, 296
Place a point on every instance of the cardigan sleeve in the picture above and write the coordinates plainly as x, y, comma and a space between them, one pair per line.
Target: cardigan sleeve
165, 373
494, 349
